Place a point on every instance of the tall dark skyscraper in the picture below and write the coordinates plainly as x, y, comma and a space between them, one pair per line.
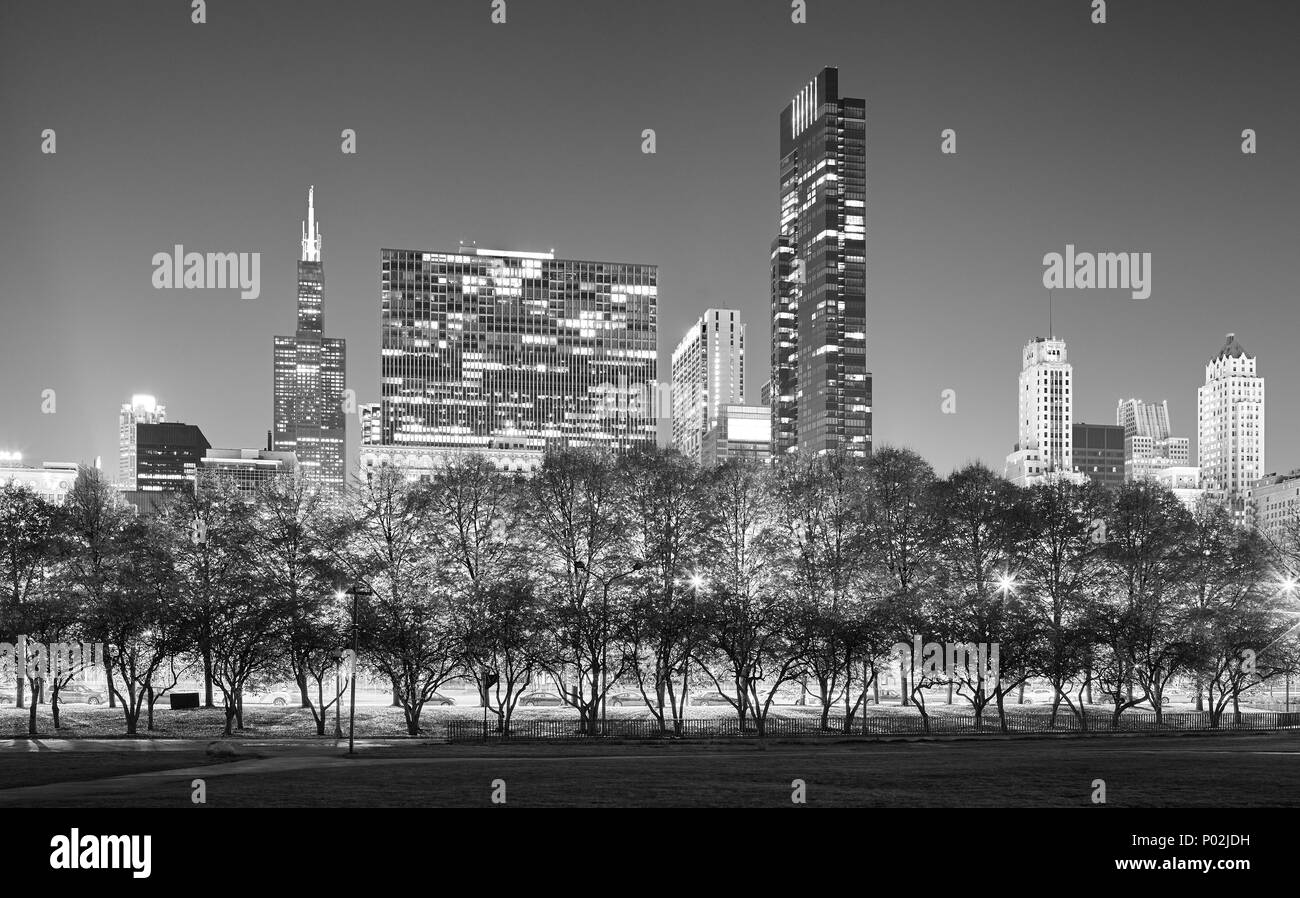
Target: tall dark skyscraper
821, 388
309, 375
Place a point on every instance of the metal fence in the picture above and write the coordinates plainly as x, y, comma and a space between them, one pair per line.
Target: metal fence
882, 725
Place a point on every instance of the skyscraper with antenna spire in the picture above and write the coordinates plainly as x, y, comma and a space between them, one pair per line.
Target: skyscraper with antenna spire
309, 374
1044, 447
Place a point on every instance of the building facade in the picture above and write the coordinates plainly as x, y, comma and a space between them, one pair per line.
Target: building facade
309, 375
1149, 447
1098, 453
246, 469
495, 350
52, 481
142, 409
708, 375
166, 456
741, 431
821, 385
1045, 402
1273, 507
1230, 425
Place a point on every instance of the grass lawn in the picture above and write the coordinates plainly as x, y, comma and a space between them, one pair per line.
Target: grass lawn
269, 722
38, 768
1140, 771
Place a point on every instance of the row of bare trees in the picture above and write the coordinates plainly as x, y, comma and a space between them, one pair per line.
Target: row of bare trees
649, 573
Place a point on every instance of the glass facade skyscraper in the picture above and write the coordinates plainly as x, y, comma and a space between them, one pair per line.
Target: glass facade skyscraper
491, 350
708, 375
821, 388
309, 375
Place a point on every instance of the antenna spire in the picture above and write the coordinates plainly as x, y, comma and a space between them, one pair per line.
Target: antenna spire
310, 232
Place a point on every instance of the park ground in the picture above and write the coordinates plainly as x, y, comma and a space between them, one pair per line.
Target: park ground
1166, 770
379, 720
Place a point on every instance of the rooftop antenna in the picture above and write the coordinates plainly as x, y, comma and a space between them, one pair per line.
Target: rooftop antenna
1051, 334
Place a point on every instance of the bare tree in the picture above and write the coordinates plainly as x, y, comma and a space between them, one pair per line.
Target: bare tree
577, 526
671, 531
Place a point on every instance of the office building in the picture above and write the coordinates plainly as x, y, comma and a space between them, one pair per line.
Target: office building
247, 470
52, 481
1230, 425
166, 456
741, 431
821, 385
708, 375
510, 354
142, 409
1044, 448
1148, 446
1098, 453
309, 375
1273, 508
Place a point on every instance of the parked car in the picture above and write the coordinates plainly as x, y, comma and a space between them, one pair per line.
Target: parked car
711, 698
270, 695
439, 699
1039, 697
8, 695
535, 699
619, 699
81, 694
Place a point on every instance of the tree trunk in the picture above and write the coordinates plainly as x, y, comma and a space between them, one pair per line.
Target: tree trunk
54, 706
207, 678
108, 677
31, 717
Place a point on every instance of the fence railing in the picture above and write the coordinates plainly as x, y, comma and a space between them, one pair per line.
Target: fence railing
883, 725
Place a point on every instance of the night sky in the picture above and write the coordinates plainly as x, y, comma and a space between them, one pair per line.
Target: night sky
1117, 137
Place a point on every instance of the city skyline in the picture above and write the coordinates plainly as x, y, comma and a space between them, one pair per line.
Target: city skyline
939, 285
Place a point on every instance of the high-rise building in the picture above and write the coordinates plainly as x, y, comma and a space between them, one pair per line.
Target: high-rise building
142, 409
512, 353
1148, 447
1098, 453
166, 455
1046, 414
309, 375
708, 375
1146, 419
1230, 425
821, 388
741, 431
